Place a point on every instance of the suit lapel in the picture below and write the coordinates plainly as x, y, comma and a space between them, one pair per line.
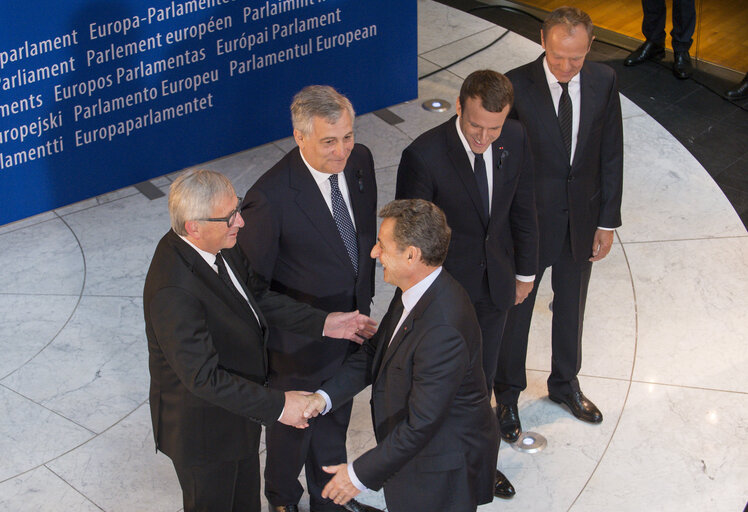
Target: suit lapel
543, 105
461, 164
410, 322
210, 278
588, 99
242, 276
310, 201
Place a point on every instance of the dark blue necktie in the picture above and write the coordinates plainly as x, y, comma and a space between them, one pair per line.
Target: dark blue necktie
343, 221
482, 180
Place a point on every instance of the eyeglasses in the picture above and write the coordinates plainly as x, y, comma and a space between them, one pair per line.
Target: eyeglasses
231, 217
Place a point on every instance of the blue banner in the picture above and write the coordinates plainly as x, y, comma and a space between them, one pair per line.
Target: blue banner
97, 95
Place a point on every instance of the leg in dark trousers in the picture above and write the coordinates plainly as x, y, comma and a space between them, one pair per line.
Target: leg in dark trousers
289, 450
232, 486
570, 280
511, 377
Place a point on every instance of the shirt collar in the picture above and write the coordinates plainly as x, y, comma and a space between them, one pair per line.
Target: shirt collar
319, 176
552, 80
209, 257
413, 294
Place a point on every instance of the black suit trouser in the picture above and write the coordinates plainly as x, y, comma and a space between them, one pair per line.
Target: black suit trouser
684, 22
226, 486
290, 449
491, 320
569, 280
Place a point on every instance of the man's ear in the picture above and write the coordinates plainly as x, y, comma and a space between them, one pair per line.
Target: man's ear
193, 228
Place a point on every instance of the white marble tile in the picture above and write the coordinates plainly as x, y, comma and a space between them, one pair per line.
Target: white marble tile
692, 298
29, 221
34, 319
31, 435
385, 141
442, 86
425, 66
552, 478
41, 258
118, 239
386, 181
667, 194
245, 167
439, 25
675, 449
511, 51
609, 339
95, 372
119, 470
41, 490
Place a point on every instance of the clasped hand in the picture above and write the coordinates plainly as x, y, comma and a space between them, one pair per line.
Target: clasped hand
300, 406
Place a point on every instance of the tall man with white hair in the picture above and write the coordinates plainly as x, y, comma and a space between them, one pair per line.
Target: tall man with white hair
311, 222
206, 317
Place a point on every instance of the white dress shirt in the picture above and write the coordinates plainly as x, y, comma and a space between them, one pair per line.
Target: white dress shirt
323, 182
210, 259
575, 93
488, 158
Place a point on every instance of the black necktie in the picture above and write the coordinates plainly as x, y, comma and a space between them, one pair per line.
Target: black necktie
223, 273
482, 180
565, 116
343, 221
397, 312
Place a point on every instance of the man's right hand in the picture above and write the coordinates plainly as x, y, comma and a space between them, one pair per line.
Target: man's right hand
296, 405
316, 406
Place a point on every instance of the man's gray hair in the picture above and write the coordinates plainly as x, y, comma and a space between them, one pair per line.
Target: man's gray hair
318, 101
419, 223
195, 195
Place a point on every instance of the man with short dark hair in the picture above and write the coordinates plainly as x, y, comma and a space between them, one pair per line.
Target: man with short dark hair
206, 318
572, 113
478, 168
311, 222
436, 434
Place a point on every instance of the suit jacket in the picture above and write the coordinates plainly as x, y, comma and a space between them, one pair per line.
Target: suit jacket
436, 433
587, 193
437, 168
207, 356
291, 239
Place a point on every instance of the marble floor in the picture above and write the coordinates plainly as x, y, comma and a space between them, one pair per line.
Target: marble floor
665, 338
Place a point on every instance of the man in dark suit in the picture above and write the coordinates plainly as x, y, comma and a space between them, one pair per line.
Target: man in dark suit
572, 114
436, 434
205, 316
478, 168
311, 222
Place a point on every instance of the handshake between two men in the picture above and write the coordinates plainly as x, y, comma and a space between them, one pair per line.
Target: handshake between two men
300, 406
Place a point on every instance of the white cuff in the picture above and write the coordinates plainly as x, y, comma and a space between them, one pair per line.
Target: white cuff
354, 479
525, 279
327, 401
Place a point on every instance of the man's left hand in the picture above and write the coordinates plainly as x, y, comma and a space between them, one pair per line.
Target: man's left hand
340, 489
601, 244
350, 326
522, 290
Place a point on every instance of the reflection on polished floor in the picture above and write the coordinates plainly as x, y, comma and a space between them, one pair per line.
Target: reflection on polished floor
665, 338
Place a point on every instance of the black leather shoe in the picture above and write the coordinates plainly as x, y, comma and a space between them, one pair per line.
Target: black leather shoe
283, 508
647, 51
580, 406
682, 67
740, 92
355, 506
503, 488
509, 424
